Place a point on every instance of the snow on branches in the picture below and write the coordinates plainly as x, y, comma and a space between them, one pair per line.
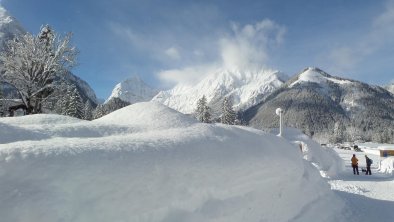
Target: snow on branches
229, 116
31, 64
202, 111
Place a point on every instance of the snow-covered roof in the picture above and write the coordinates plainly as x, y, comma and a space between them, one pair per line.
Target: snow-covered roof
386, 147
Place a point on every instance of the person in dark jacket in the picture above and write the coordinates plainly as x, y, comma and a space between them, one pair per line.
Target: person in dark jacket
355, 164
368, 163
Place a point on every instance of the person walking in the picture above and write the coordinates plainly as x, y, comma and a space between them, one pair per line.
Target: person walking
368, 163
355, 164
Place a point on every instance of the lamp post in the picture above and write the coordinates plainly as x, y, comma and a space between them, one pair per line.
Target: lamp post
279, 112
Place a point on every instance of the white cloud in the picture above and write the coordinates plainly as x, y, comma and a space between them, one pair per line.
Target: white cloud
379, 35
188, 75
173, 53
245, 47
248, 46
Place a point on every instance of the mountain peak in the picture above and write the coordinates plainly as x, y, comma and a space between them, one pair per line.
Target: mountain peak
9, 27
4, 16
133, 90
316, 75
246, 87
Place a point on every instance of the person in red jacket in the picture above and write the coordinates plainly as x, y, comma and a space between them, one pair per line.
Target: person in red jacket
355, 164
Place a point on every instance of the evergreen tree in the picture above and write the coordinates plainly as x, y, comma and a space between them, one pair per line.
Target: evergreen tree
87, 111
61, 93
72, 103
1, 100
228, 113
99, 111
202, 112
75, 105
339, 133
112, 105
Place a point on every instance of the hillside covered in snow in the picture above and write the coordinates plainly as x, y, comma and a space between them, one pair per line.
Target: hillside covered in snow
9, 27
329, 108
147, 162
390, 88
246, 88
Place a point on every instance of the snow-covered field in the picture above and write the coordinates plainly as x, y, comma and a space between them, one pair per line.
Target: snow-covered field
147, 162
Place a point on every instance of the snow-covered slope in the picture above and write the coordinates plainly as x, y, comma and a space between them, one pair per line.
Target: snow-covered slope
317, 76
133, 90
84, 89
246, 88
316, 102
390, 88
9, 27
159, 165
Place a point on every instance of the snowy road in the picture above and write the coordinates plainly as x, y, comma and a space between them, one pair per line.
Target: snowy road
372, 195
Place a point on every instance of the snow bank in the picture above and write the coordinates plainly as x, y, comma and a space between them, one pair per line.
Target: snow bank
326, 159
150, 115
159, 169
40, 119
387, 165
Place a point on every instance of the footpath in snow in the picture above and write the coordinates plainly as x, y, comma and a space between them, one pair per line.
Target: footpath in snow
371, 196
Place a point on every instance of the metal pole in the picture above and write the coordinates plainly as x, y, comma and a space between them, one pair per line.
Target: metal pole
280, 123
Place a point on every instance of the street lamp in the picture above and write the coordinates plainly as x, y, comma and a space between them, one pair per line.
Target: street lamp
279, 112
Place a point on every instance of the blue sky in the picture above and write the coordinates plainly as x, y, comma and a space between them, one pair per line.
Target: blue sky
166, 42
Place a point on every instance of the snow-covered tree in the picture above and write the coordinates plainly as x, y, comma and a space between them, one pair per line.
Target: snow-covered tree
74, 105
202, 111
112, 105
88, 111
99, 111
339, 132
228, 113
31, 63
1, 100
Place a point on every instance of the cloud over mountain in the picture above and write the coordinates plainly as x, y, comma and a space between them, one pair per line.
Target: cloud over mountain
244, 47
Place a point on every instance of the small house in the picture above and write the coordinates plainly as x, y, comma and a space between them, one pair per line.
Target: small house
386, 151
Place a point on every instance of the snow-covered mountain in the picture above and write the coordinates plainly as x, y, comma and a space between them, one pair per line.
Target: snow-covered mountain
326, 106
133, 90
247, 88
84, 89
390, 88
9, 27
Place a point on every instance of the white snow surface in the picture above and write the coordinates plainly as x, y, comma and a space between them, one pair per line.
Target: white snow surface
390, 88
387, 165
247, 88
370, 196
311, 75
325, 159
147, 162
133, 90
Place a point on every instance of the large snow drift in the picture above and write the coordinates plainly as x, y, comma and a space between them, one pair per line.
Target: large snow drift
147, 162
325, 159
